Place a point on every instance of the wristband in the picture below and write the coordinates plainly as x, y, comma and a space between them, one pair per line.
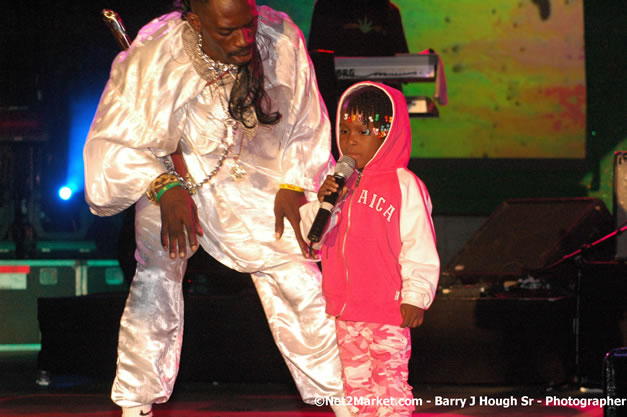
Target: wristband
166, 188
291, 187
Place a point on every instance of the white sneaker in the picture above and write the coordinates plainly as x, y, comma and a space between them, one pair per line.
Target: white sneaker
141, 411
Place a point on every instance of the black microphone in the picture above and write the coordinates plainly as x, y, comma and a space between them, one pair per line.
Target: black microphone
343, 170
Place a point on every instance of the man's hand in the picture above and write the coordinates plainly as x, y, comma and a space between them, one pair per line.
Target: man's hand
412, 316
179, 217
286, 204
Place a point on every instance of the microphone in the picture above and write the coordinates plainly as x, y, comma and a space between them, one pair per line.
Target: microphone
343, 170
115, 25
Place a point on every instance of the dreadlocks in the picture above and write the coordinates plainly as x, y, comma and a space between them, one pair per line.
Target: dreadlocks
248, 89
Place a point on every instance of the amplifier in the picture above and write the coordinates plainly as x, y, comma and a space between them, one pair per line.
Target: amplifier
24, 282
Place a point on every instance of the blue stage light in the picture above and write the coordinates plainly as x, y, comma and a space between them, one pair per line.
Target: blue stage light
65, 192
82, 109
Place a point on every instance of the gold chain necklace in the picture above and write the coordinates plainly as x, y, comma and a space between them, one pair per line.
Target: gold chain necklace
215, 73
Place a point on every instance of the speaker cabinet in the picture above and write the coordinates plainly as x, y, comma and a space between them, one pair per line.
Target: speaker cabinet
22, 283
525, 235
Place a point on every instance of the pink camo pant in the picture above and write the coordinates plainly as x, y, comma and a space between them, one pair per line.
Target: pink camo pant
375, 361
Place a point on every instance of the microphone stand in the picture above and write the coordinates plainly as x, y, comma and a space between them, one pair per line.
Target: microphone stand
578, 260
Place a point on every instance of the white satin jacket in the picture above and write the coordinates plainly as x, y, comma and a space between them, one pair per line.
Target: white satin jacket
156, 98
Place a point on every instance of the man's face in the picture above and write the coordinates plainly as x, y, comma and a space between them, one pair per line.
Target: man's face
228, 28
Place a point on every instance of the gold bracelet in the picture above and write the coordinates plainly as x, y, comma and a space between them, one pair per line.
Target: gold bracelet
291, 187
159, 183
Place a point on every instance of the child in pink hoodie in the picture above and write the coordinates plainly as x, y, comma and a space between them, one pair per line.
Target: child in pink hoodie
379, 260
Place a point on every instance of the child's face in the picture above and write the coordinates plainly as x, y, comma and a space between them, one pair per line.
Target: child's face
358, 140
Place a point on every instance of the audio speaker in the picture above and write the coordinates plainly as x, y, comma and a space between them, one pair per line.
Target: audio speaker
22, 283
528, 235
620, 201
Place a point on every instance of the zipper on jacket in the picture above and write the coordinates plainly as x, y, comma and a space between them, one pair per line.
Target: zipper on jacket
350, 207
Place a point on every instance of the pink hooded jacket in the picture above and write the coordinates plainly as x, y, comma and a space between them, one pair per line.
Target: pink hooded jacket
379, 250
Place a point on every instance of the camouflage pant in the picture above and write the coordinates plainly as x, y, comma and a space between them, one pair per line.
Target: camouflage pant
375, 361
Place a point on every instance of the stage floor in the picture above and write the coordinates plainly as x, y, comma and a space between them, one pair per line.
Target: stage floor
76, 396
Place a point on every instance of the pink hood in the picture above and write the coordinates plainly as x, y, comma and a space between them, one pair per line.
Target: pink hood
396, 149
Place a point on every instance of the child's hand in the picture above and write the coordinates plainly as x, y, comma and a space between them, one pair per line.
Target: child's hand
328, 187
412, 316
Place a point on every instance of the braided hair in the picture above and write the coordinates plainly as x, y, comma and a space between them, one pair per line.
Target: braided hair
248, 89
368, 101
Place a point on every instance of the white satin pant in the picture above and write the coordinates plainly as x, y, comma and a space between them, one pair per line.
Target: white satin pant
151, 329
